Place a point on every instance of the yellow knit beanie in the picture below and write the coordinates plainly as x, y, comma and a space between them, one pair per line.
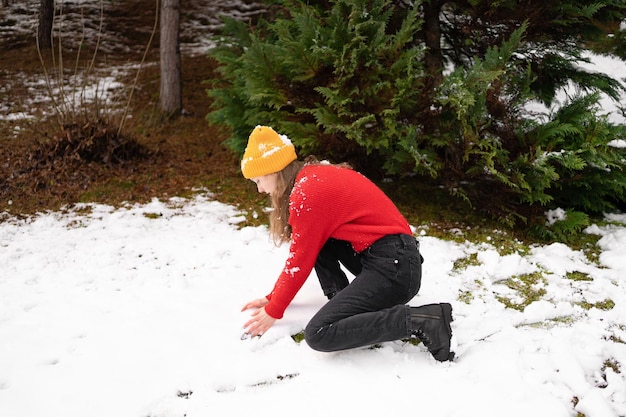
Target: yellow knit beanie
267, 152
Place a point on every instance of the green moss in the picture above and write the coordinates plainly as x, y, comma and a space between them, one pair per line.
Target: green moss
298, 337
578, 276
412, 341
465, 296
605, 305
464, 263
503, 242
563, 319
549, 323
587, 243
526, 287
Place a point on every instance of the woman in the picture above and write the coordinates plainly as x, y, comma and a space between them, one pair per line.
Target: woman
333, 216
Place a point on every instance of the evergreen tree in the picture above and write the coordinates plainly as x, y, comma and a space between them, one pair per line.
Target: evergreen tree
438, 88
344, 84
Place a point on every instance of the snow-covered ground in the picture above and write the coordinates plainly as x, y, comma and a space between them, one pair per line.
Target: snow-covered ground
135, 312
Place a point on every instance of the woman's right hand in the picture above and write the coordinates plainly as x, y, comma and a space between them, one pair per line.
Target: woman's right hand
260, 321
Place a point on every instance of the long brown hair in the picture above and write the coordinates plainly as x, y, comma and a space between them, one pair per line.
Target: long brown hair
280, 229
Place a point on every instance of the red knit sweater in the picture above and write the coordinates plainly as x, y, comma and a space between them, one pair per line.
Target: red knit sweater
330, 202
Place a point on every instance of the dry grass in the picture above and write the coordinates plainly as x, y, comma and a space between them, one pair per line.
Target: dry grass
179, 155
47, 165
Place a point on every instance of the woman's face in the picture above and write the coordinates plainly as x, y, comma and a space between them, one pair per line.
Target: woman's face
266, 183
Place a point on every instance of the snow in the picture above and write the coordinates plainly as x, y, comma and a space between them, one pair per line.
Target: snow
135, 312
555, 215
613, 67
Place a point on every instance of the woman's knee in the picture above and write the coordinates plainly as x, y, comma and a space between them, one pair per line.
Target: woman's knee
314, 337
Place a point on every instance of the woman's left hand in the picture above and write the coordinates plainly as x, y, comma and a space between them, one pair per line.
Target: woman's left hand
259, 323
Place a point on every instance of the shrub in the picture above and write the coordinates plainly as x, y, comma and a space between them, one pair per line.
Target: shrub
347, 81
342, 85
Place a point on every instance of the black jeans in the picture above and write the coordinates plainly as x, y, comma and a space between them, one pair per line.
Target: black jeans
372, 308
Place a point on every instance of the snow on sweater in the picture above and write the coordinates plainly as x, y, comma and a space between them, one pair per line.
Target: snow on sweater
328, 201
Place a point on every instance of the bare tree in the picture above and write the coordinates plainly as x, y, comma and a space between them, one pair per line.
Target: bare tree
171, 84
46, 18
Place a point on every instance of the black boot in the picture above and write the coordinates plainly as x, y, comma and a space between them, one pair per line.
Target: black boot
431, 324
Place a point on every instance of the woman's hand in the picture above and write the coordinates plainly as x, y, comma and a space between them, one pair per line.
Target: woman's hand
260, 321
258, 303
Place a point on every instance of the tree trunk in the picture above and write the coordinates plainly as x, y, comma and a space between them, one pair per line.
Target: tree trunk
46, 18
432, 38
433, 60
171, 84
